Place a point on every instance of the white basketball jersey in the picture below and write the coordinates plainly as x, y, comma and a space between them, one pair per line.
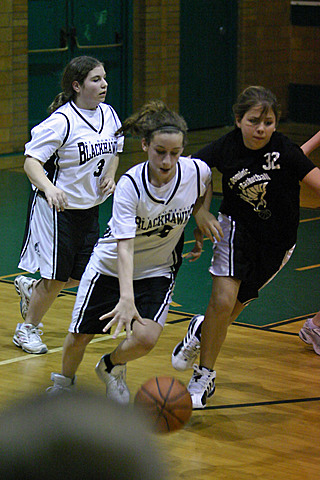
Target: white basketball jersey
154, 217
77, 147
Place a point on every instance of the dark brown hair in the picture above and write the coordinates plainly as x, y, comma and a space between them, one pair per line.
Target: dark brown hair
77, 69
152, 117
256, 96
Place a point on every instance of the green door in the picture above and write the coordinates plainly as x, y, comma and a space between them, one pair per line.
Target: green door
62, 29
208, 36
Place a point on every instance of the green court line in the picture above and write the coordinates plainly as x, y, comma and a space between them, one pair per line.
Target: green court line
187, 315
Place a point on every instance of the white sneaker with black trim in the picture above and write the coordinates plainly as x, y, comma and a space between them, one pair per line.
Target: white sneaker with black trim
24, 286
311, 336
185, 352
201, 386
115, 381
27, 337
61, 384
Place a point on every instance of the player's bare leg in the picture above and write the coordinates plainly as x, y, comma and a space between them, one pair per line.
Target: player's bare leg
316, 319
222, 310
71, 283
111, 368
141, 341
43, 296
73, 350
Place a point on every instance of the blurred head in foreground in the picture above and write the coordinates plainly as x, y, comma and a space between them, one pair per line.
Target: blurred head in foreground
75, 436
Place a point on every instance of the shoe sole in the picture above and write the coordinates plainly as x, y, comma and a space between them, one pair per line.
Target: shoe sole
17, 344
309, 342
304, 339
198, 407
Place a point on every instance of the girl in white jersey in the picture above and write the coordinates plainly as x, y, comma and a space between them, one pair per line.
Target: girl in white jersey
129, 279
71, 162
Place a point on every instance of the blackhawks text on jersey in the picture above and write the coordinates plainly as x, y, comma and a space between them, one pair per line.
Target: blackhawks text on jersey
154, 217
77, 147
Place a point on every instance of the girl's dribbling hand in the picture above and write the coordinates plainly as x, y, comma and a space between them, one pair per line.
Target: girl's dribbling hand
122, 315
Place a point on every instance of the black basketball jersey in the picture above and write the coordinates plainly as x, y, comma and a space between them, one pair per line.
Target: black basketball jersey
260, 187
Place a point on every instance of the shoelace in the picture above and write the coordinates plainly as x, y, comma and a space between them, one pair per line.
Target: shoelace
120, 379
204, 380
34, 333
193, 346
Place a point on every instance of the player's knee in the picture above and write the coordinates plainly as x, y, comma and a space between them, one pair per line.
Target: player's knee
80, 340
51, 287
147, 341
222, 305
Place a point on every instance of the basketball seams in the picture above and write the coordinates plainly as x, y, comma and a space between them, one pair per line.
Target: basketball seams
168, 389
157, 403
166, 401
172, 398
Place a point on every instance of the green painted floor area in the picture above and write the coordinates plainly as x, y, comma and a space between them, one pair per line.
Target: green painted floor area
293, 293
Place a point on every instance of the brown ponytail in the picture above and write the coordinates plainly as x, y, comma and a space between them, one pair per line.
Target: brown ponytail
152, 117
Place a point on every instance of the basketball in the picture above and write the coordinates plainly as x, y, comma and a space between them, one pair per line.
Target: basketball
165, 402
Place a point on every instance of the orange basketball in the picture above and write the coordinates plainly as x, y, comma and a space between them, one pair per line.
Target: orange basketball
166, 403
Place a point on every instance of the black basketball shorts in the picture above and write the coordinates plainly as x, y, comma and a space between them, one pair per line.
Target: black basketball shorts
239, 255
58, 244
99, 294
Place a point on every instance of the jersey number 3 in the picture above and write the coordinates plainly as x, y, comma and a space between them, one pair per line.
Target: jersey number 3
100, 166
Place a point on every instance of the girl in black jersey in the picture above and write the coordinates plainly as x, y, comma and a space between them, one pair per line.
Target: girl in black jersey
71, 162
261, 170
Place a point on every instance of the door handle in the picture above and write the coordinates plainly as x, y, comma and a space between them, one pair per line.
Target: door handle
108, 45
63, 45
47, 50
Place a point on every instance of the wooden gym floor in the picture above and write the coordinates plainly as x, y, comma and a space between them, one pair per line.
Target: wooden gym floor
264, 420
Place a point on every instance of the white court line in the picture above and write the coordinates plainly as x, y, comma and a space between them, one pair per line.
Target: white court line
32, 356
